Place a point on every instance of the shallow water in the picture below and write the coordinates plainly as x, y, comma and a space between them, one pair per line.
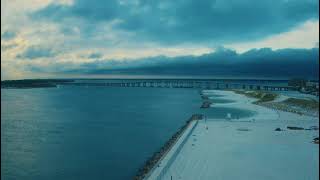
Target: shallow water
221, 113
221, 100
212, 94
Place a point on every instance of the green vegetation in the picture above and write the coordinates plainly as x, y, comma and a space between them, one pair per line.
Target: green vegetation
267, 97
303, 103
262, 96
294, 105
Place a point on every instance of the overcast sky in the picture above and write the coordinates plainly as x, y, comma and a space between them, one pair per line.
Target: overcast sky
47, 38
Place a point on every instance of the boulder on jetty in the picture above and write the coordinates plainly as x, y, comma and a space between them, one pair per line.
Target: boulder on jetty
316, 140
156, 157
243, 129
205, 97
294, 128
315, 128
196, 117
279, 129
206, 104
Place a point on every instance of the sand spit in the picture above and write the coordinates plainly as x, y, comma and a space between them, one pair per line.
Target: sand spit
273, 144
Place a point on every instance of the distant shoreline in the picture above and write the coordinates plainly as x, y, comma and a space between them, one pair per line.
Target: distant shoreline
32, 83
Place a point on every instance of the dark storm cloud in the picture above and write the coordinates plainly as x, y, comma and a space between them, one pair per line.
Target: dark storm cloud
224, 62
34, 52
178, 21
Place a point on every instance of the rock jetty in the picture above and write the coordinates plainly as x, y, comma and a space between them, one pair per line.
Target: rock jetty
157, 156
206, 104
294, 128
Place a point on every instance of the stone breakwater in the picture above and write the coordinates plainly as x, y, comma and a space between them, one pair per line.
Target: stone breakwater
204, 97
157, 156
206, 104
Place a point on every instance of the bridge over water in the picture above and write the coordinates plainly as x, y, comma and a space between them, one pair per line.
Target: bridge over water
267, 85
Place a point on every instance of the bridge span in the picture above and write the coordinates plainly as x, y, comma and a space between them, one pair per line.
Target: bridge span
266, 85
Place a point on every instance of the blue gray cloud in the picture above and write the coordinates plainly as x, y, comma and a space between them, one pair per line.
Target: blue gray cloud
179, 21
283, 63
95, 55
34, 52
7, 47
254, 63
7, 35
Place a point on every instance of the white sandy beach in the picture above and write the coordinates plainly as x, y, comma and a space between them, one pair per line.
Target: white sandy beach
248, 148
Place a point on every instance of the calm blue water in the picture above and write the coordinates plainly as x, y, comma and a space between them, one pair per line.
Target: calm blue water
222, 112
220, 100
87, 133
91, 133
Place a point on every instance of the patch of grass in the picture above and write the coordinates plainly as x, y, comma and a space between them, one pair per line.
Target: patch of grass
267, 97
304, 103
262, 96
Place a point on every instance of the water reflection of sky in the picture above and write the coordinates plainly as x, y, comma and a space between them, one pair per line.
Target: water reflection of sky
94, 132
221, 100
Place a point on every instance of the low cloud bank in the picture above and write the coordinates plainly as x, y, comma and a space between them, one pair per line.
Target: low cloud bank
284, 63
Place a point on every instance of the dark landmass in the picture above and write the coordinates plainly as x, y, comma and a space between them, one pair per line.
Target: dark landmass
33, 83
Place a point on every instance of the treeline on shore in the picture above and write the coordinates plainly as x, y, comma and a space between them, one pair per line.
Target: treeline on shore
33, 83
157, 156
